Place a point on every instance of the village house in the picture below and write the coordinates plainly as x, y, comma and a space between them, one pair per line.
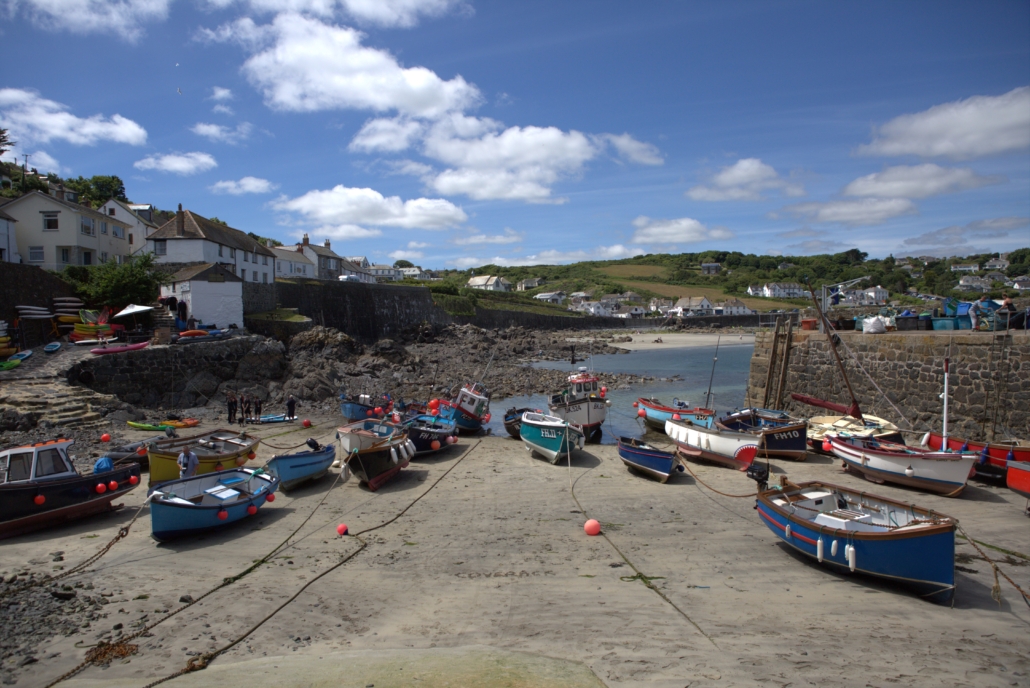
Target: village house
631, 296
386, 273
1021, 284
611, 301
996, 264
692, 305
875, 295
580, 295
290, 262
630, 312
529, 283
139, 217
781, 290
732, 307
595, 308
973, 283
972, 267
213, 295
551, 297
54, 233
8, 242
995, 276
359, 261
489, 283
417, 273
755, 290
710, 268
329, 265
901, 262
657, 305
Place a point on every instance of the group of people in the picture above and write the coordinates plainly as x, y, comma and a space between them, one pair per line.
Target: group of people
1007, 317
248, 409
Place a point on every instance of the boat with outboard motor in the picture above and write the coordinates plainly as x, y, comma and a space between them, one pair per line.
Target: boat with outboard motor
655, 413
719, 445
431, 433
375, 451
582, 403
641, 456
300, 467
943, 473
779, 435
217, 450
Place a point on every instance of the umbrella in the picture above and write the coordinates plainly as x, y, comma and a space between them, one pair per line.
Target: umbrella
132, 309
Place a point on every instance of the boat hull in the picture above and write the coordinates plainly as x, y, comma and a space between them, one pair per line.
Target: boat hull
353, 411
170, 521
513, 420
819, 426
731, 449
368, 435
375, 468
423, 431
656, 415
551, 441
937, 472
466, 423
997, 453
296, 469
589, 414
228, 450
648, 460
779, 435
1017, 478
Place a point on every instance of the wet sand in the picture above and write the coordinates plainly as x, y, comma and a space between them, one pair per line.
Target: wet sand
490, 580
682, 340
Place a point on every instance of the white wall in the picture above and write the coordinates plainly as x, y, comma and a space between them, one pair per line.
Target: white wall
218, 303
9, 242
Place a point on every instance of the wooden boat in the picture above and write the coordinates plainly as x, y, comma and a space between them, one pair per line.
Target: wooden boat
375, 451
205, 502
779, 435
119, 349
1017, 477
470, 409
549, 436
879, 462
21, 355
999, 456
640, 456
52, 347
138, 425
513, 420
41, 487
655, 413
355, 407
582, 403
431, 433
869, 426
724, 447
215, 449
856, 532
298, 468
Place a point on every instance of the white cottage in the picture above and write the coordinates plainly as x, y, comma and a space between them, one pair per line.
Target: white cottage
213, 295
8, 242
293, 263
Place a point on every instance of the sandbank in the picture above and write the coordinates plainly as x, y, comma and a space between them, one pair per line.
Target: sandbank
684, 340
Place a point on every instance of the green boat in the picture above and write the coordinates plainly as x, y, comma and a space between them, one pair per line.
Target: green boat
9, 365
551, 437
148, 426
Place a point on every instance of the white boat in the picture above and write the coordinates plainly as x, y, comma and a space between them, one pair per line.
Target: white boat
369, 435
869, 426
885, 462
725, 447
582, 403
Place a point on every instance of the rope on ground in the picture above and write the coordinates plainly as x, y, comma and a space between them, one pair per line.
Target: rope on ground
724, 494
996, 589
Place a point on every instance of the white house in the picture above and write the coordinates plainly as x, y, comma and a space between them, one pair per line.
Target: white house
550, 297
595, 308
1021, 285
965, 268
755, 290
8, 241
191, 238
877, 295
996, 264
138, 216
732, 307
783, 290
416, 273
292, 263
489, 283
54, 233
529, 283
213, 295
386, 273
660, 305
697, 305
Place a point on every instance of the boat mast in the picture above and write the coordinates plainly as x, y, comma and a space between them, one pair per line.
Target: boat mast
944, 439
708, 395
823, 321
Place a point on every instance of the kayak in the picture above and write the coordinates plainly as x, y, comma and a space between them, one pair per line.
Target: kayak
94, 342
193, 333
119, 349
21, 356
184, 423
8, 350
68, 318
8, 365
147, 426
52, 347
274, 418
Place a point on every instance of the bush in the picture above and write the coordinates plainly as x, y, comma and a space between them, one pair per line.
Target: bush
116, 285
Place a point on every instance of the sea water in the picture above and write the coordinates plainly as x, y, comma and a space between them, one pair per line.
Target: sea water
693, 365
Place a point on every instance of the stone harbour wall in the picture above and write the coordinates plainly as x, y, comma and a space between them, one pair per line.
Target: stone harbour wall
989, 385
180, 376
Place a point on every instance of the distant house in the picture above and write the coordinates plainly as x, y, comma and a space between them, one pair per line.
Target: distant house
579, 295
972, 267
929, 259
995, 276
876, 295
489, 283
289, 262
710, 268
529, 283
975, 284
386, 273
359, 261
631, 296
139, 217
659, 305
595, 308
785, 266
693, 305
996, 264
1021, 284
329, 265
783, 290
755, 290
8, 241
611, 302
416, 273
732, 307
213, 295
901, 262
551, 297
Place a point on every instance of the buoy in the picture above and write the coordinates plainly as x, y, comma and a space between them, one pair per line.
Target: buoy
592, 527
379, 410
251, 509
819, 550
827, 446
851, 557
341, 529
306, 423
411, 446
487, 418
240, 460
113, 485
368, 413
251, 456
451, 439
677, 416
219, 466
396, 418
223, 514
434, 412
435, 444
786, 531
604, 390
642, 413
393, 455
909, 472
925, 441
833, 548
636, 404
270, 497
39, 500
965, 448
101, 488
1011, 456
133, 480
434, 403
142, 451
105, 437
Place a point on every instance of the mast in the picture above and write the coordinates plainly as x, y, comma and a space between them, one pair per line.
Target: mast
708, 395
944, 439
854, 411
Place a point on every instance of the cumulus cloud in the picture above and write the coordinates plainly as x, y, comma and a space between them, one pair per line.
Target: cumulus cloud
683, 230
865, 211
218, 133
633, 150
385, 13
223, 109
220, 94
184, 164
123, 18
745, 180
510, 236
417, 244
553, 257
959, 236
32, 119
347, 231
960, 130
917, 181
40, 160
406, 255
387, 135
802, 233
346, 206
247, 185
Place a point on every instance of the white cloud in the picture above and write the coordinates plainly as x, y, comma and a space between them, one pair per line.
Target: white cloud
347, 231
247, 185
963, 129
40, 160
745, 180
219, 133
635, 151
385, 13
683, 230
417, 244
223, 109
124, 18
510, 236
958, 237
220, 94
389, 135
553, 257
343, 205
865, 211
802, 233
917, 181
184, 164
406, 255
34, 119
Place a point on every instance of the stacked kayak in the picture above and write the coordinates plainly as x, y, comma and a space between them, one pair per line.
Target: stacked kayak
66, 310
92, 325
164, 425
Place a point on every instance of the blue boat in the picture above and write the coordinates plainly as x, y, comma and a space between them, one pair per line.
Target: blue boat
424, 430
778, 435
470, 410
856, 532
274, 418
21, 355
205, 502
52, 347
656, 413
641, 456
355, 407
296, 469
551, 437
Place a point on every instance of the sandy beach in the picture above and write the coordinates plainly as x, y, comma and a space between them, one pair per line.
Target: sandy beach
683, 340
489, 579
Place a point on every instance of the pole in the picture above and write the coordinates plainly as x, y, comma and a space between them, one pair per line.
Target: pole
836, 356
708, 396
944, 439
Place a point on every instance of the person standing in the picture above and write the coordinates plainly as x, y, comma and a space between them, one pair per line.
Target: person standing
257, 409
188, 463
245, 408
230, 401
978, 310
291, 408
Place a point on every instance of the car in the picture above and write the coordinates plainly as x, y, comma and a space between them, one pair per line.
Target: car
349, 278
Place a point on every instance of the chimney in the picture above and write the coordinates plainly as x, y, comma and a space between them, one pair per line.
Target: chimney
180, 224
304, 241
327, 243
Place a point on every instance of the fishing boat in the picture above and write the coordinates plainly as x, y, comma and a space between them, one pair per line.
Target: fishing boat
100, 351
375, 451
204, 502
431, 433
721, 446
216, 450
582, 403
779, 435
298, 468
513, 420
640, 456
655, 413
999, 455
549, 436
42, 488
470, 409
134, 452
1017, 477
944, 473
355, 407
856, 532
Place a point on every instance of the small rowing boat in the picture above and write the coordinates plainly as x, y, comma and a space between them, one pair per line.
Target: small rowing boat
216, 450
549, 436
944, 473
52, 347
273, 418
204, 502
151, 427
375, 451
100, 351
300, 467
513, 420
999, 455
21, 355
640, 456
655, 413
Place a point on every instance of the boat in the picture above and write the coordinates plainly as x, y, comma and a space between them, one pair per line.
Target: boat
375, 451
513, 420
207, 337
655, 413
721, 446
9, 365
1000, 455
217, 450
194, 333
856, 532
204, 502
470, 409
869, 426
298, 468
582, 403
94, 342
273, 418
779, 435
641, 456
21, 355
431, 433
42, 488
1017, 477
52, 347
119, 349
181, 423
549, 436
943, 473
355, 407
130, 453
138, 425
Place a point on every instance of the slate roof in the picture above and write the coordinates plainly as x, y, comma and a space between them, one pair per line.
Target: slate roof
289, 254
5, 216
198, 227
194, 271
691, 302
128, 207
82, 209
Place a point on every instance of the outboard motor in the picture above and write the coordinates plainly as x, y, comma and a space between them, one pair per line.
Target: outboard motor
315, 446
760, 474
170, 431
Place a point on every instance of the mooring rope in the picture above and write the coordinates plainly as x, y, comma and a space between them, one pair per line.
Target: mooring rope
996, 589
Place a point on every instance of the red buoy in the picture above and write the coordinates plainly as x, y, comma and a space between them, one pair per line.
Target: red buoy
223, 514
341, 529
113, 485
252, 456
39, 500
677, 416
379, 410
592, 527
827, 446
435, 444
251, 509
142, 451
368, 413
434, 403
642, 413
270, 497
133, 480
306, 423
636, 404
105, 437
101, 488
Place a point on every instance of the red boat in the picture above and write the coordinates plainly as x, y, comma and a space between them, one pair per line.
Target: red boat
119, 349
1018, 478
998, 453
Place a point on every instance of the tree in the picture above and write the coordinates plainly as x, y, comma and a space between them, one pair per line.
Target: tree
264, 241
96, 190
214, 218
6, 143
403, 264
117, 285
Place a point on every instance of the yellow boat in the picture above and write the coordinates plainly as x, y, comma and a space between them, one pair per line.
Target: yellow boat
69, 319
216, 448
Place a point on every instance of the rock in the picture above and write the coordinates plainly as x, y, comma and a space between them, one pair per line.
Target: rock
63, 594
186, 599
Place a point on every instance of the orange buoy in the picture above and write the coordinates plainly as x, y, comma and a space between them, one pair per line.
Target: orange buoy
435, 444
101, 488
677, 416
827, 446
252, 456
142, 451
592, 527
636, 404
341, 529
39, 500
105, 437
434, 403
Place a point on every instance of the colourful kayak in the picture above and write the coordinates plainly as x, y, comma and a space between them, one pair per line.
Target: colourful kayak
147, 426
119, 349
184, 423
9, 365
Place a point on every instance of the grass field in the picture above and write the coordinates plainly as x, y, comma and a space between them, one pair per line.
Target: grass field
631, 271
714, 294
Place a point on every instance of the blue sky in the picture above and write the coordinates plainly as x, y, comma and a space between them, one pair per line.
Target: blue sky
454, 134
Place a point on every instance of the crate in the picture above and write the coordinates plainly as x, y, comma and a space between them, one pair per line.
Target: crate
924, 324
964, 322
945, 323
907, 323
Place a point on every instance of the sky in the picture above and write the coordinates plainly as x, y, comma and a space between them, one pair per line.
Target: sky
458, 133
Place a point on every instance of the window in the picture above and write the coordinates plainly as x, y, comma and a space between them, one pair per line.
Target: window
130, 238
232, 253
103, 227
332, 263
103, 256
264, 260
160, 247
49, 222
35, 254
245, 260
255, 276
303, 269
110, 211
264, 277
19, 466
219, 250
119, 259
66, 255
49, 462
87, 226
243, 275
87, 258
117, 231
